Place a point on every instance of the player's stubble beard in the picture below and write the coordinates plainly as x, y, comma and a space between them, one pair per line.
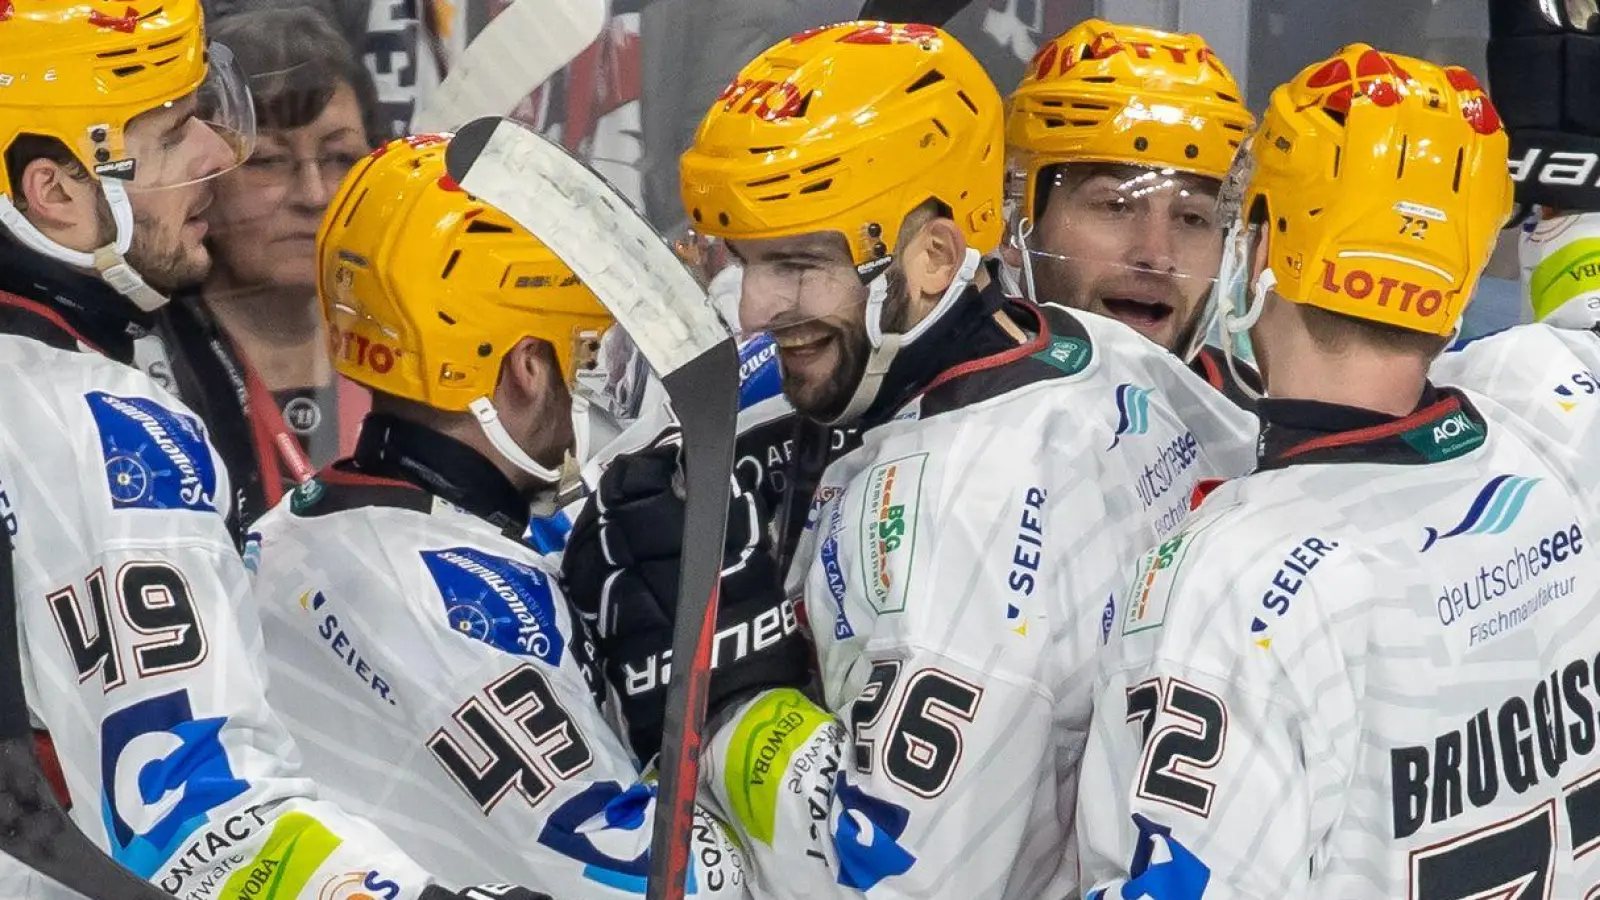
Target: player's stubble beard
824, 400
157, 251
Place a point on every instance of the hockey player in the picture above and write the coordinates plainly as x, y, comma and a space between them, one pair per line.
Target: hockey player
1366, 669
1119, 137
138, 633
959, 563
425, 657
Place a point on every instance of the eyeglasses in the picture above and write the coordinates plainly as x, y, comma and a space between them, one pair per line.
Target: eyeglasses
282, 167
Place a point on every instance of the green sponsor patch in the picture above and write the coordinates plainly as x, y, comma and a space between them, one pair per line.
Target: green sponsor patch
1069, 354
1446, 438
297, 846
768, 735
1563, 275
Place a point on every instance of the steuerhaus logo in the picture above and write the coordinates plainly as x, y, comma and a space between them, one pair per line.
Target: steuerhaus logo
889, 530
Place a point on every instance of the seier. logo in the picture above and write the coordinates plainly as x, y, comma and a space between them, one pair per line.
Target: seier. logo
162, 773
1359, 284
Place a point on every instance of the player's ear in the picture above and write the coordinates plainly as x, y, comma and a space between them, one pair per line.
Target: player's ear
58, 202
525, 375
934, 258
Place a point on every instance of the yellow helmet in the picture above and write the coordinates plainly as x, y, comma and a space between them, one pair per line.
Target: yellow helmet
1381, 183
849, 128
1123, 94
79, 72
425, 287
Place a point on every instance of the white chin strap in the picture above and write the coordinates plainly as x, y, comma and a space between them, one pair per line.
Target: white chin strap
489, 421
107, 260
1233, 327
886, 346
1030, 287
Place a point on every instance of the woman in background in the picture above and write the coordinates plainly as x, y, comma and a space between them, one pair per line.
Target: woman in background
252, 335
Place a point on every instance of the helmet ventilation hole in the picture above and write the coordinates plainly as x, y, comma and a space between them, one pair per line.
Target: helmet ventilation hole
485, 348
449, 265
1141, 144
931, 78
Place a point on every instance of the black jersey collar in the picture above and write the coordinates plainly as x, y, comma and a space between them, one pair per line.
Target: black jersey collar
390, 447
92, 309
963, 336
1445, 425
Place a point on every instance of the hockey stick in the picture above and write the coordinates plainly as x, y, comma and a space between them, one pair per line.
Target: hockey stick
33, 827
513, 55
661, 306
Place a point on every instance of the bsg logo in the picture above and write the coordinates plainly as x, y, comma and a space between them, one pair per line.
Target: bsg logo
1359, 284
366, 353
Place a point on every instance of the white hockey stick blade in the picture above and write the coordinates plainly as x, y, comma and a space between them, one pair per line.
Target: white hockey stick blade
595, 231
610, 246
519, 50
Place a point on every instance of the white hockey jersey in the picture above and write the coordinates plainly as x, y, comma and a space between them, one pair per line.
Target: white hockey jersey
140, 645
434, 676
1369, 670
958, 571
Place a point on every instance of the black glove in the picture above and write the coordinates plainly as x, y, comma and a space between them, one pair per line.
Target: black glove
482, 892
621, 570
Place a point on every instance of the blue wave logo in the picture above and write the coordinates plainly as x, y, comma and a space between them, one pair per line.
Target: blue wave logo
1133, 411
1493, 511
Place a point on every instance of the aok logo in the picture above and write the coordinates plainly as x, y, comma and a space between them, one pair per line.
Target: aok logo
367, 353
1359, 284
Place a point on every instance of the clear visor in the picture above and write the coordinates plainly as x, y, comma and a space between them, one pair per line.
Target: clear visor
1580, 15
193, 138
792, 293
1138, 244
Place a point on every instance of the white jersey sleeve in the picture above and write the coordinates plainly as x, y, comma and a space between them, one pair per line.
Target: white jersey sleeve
141, 647
436, 679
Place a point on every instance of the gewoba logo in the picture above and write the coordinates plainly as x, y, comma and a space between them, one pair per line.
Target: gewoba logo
1133, 412
1493, 511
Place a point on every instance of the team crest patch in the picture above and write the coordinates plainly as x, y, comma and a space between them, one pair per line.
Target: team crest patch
501, 602
889, 530
1152, 587
155, 458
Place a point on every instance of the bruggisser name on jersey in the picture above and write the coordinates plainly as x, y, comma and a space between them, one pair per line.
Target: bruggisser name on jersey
1539, 735
1161, 476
